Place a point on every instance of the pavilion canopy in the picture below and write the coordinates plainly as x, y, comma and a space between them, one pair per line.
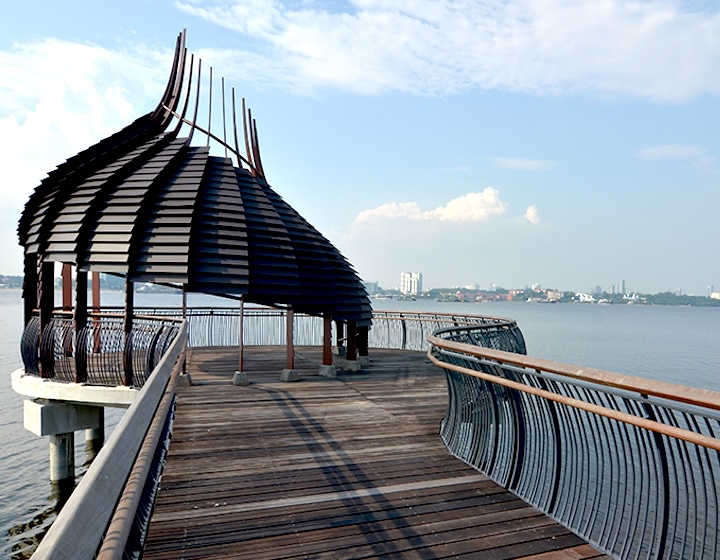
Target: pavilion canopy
147, 204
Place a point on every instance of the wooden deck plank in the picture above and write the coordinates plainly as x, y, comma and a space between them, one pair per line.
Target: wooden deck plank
346, 467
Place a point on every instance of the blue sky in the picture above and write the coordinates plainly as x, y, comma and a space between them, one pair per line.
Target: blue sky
565, 143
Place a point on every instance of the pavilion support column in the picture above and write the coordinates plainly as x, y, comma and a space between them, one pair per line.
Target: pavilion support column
30, 286
95, 278
127, 329
289, 373
66, 287
327, 369
363, 334
46, 303
80, 320
340, 338
240, 377
351, 362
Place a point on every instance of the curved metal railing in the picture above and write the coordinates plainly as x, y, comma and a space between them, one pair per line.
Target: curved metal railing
264, 326
106, 515
100, 352
631, 465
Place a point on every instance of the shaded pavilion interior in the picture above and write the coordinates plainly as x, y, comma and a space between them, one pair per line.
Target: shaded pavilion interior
150, 204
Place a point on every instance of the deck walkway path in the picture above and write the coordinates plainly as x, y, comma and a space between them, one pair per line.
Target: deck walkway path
339, 468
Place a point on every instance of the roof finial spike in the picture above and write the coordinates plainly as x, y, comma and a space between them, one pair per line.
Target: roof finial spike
237, 146
209, 109
247, 141
222, 82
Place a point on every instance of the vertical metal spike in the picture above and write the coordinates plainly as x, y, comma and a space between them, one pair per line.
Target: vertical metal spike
222, 83
237, 147
247, 141
197, 99
209, 129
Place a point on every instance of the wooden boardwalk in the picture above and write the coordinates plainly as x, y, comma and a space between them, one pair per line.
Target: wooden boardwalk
340, 468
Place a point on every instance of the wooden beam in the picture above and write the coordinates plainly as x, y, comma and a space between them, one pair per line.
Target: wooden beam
290, 362
66, 287
351, 341
327, 359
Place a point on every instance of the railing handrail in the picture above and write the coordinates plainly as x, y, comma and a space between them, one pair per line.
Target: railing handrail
705, 398
630, 464
82, 523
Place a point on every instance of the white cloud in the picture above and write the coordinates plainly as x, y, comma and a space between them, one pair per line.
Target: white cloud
532, 216
670, 151
525, 164
390, 211
57, 98
653, 50
471, 207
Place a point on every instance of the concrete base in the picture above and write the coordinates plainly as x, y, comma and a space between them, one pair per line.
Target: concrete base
364, 361
352, 365
46, 418
183, 380
241, 378
62, 457
289, 375
327, 371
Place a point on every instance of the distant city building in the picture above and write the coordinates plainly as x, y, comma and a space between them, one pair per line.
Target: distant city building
372, 288
621, 287
410, 283
710, 290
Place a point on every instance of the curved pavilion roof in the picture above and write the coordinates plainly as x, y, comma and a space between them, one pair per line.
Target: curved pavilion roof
147, 204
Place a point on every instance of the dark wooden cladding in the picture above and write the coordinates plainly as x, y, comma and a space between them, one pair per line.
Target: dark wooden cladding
350, 467
148, 205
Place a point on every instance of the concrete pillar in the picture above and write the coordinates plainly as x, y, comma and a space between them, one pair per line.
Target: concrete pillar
59, 420
95, 436
62, 456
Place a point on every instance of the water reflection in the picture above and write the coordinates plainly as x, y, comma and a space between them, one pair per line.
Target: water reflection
32, 532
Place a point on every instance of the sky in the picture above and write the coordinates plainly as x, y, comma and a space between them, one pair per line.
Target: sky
565, 143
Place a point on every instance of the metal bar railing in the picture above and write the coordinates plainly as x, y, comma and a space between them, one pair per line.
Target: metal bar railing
631, 465
99, 510
97, 353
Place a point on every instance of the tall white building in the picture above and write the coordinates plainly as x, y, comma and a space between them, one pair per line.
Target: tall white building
410, 283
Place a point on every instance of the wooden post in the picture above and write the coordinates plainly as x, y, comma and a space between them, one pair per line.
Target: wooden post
96, 292
241, 345
80, 324
46, 303
30, 286
290, 362
351, 341
46, 290
96, 309
362, 345
327, 359
339, 334
127, 329
66, 287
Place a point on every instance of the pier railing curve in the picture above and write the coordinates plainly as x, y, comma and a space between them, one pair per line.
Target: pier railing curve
631, 465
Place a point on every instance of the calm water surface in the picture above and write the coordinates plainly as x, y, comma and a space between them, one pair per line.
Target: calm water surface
677, 344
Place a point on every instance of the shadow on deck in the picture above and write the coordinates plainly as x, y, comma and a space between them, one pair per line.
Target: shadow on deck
346, 467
